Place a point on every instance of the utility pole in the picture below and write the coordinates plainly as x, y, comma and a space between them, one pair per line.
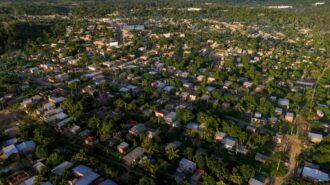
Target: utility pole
278, 164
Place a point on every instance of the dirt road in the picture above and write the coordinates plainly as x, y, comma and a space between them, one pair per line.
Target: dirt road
295, 148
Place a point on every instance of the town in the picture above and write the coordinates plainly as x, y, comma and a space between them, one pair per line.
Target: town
202, 93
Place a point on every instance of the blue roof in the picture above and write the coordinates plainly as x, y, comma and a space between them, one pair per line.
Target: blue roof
188, 163
25, 146
87, 179
108, 182
59, 169
9, 150
82, 169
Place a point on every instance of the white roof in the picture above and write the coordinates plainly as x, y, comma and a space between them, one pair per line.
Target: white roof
10, 150
314, 135
29, 181
315, 174
253, 181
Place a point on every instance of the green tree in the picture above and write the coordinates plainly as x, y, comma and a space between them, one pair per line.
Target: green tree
184, 115
146, 181
172, 153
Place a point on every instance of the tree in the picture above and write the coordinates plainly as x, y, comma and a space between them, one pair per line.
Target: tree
41, 152
146, 181
247, 172
24, 132
184, 115
322, 154
54, 159
172, 153
105, 131
94, 122
81, 156
208, 180
111, 172
236, 179
149, 146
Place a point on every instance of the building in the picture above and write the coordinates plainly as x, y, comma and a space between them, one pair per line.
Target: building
87, 179
81, 170
170, 117
59, 169
219, 136
289, 117
131, 157
260, 157
229, 143
17, 177
315, 138
137, 129
254, 181
122, 147
187, 165
315, 175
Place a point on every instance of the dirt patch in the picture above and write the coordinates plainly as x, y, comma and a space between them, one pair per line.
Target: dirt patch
9, 118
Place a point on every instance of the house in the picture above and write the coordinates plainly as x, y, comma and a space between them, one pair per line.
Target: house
87, 179
108, 182
241, 149
251, 129
122, 147
170, 117
283, 102
289, 116
137, 129
200, 78
11, 132
10, 141
319, 113
196, 176
260, 157
17, 177
131, 157
81, 170
30, 181
192, 126
26, 146
278, 111
315, 175
254, 181
91, 141
174, 145
305, 83
151, 133
169, 88
74, 129
160, 113
219, 136
229, 143
187, 165
192, 97
38, 166
315, 138
59, 169
8, 151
